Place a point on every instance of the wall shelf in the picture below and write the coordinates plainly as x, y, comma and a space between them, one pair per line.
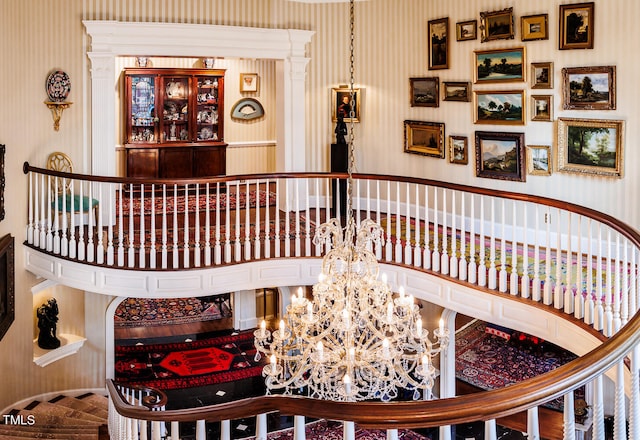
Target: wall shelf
69, 345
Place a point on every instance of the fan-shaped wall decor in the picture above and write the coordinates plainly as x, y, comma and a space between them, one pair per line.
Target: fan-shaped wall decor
247, 108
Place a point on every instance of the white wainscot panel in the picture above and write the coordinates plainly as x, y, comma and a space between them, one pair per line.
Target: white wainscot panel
84, 274
179, 283
127, 281
38, 264
465, 300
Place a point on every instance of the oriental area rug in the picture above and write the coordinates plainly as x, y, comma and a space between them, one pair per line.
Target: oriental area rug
169, 366
330, 430
490, 359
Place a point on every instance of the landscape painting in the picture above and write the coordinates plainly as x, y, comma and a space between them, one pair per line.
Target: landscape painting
538, 160
589, 88
500, 155
593, 146
505, 107
505, 65
457, 91
424, 92
426, 138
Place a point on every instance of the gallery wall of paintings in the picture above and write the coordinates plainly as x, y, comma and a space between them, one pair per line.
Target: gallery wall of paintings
507, 91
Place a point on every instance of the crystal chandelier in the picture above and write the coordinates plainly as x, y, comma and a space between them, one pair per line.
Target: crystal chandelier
355, 340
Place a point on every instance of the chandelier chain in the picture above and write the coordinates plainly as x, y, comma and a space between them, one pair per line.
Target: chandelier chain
352, 109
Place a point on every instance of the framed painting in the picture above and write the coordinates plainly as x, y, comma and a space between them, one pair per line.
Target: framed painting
458, 150
341, 104
499, 107
591, 146
457, 91
425, 92
467, 30
534, 27
7, 283
426, 138
542, 75
500, 155
438, 31
539, 160
542, 108
248, 82
499, 65
589, 88
496, 25
576, 26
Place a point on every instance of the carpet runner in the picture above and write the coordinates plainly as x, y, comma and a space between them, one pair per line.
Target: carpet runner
330, 430
188, 364
145, 312
488, 361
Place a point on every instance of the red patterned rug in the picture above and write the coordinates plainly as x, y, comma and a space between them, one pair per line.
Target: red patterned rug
188, 364
183, 202
330, 430
488, 361
143, 312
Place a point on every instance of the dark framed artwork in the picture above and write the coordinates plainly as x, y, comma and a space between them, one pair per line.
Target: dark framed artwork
500, 155
7, 283
589, 88
499, 107
496, 25
457, 91
576, 26
426, 138
425, 92
458, 150
341, 104
467, 30
499, 65
591, 146
534, 27
542, 75
438, 31
542, 108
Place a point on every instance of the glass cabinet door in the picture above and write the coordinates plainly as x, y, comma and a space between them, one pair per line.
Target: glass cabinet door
174, 123
207, 116
143, 114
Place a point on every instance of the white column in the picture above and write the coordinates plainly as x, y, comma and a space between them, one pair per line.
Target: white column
244, 310
103, 158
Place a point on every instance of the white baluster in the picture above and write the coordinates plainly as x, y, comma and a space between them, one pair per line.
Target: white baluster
261, 427
608, 294
502, 283
598, 409
472, 269
525, 290
143, 233
120, 227
492, 273
547, 297
418, 249
287, 226
598, 322
398, 233
533, 424
90, 221
569, 421
175, 229
267, 222
165, 229
225, 430
568, 284
387, 247
619, 413
185, 255
207, 226
277, 220
81, 244
256, 240
201, 430
435, 256
317, 191
634, 393
131, 249
617, 291
197, 262
152, 229
110, 248
513, 282
407, 245
482, 267
626, 288
217, 256
99, 226
297, 242
589, 305
56, 219
30, 226
392, 434
349, 431
307, 223
380, 245
247, 222
175, 431
444, 263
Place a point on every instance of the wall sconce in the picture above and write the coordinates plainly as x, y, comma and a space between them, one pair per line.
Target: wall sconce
58, 86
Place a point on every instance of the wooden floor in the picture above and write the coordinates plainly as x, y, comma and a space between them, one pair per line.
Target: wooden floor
159, 331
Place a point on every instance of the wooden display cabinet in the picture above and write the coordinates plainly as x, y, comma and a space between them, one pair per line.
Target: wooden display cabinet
174, 123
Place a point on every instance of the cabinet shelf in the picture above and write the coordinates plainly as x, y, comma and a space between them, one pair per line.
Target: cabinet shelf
69, 345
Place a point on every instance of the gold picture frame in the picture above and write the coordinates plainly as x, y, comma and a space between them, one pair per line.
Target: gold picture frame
438, 44
341, 104
539, 160
249, 82
534, 27
501, 107
425, 138
591, 146
576, 26
542, 75
499, 65
589, 88
425, 92
496, 25
459, 150
467, 30
542, 108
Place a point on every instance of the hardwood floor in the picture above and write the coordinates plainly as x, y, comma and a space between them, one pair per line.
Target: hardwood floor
160, 331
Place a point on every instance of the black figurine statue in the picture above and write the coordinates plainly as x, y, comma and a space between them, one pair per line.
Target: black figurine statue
47, 323
341, 130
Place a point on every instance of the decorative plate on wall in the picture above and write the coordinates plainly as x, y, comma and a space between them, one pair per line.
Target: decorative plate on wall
58, 86
247, 108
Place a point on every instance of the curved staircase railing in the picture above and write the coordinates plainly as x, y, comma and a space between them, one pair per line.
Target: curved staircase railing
546, 251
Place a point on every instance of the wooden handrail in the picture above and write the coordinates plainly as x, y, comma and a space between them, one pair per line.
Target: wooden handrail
485, 405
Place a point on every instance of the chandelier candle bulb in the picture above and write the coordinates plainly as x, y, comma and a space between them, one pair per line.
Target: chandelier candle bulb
425, 366
385, 348
346, 380
273, 363
282, 329
441, 326
309, 311
263, 328
389, 313
320, 349
419, 327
